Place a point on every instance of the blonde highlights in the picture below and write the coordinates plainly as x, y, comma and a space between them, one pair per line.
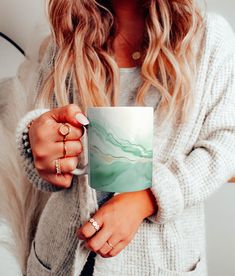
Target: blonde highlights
83, 31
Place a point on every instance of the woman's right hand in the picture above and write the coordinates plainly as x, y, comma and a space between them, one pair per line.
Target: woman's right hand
47, 143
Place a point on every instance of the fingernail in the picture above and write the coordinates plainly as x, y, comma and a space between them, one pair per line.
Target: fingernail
82, 119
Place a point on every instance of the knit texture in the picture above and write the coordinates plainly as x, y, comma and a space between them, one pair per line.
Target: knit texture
191, 161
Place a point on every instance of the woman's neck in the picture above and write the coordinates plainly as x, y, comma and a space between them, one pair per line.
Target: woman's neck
129, 10
129, 14
131, 25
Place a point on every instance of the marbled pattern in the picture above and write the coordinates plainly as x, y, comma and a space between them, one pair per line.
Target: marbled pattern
120, 159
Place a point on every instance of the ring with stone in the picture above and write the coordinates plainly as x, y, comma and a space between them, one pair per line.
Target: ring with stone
64, 130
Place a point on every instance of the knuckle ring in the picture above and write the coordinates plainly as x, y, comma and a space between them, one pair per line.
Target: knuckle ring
64, 130
110, 244
95, 224
57, 166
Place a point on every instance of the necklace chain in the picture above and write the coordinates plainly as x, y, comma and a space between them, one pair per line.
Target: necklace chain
136, 55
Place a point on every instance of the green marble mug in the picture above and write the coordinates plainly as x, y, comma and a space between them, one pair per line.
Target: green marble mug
120, 148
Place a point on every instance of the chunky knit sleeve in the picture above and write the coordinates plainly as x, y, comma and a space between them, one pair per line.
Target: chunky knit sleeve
186, 180
27, 163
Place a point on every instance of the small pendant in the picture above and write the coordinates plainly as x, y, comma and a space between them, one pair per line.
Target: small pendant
136, 55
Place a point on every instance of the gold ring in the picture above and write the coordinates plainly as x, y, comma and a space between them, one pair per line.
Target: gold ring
95, 224
64, 130
110, 244
57, 166
64, 149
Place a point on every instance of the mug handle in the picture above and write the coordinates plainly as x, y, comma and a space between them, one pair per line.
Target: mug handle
84, 170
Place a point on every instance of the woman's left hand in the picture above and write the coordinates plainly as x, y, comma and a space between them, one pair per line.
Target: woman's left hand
119, 219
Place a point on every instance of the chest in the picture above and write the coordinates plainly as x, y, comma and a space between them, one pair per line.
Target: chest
174, 137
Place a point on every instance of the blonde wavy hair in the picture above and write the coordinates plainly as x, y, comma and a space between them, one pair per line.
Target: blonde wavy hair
83, 31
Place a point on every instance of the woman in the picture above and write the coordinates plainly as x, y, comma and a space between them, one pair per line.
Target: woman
161, 53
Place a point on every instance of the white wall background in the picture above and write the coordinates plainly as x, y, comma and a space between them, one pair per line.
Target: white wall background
18, 20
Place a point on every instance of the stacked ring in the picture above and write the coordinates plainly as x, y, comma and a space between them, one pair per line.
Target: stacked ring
57, 166
95, 224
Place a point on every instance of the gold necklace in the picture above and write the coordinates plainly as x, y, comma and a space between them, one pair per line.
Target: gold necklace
136, 55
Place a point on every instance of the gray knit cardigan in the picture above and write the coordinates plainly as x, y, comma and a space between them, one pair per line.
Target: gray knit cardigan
191, 161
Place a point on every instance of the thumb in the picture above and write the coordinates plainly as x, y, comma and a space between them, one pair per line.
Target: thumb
71, 114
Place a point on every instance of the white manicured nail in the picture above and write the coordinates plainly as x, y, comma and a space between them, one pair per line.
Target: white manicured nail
80, 172
82, 119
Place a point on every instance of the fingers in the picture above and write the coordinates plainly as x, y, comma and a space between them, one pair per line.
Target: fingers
105, 244
43, 162
98, 241
72, 148
101, 242
88, 230
71, 114
66, 165
116, 250
75, 133
60, 180
108, 246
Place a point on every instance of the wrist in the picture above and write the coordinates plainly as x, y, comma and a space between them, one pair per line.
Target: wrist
147, 203
144, 201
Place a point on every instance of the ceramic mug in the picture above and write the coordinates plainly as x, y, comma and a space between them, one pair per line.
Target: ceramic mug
120, 148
